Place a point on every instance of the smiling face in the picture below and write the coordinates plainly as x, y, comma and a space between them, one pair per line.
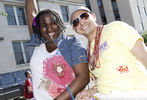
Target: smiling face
85, 26
49, 28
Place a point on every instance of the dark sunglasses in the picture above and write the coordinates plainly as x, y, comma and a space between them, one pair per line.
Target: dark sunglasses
83, 16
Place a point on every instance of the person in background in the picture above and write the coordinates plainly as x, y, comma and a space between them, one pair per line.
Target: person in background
59, 63
28, 89
117, 57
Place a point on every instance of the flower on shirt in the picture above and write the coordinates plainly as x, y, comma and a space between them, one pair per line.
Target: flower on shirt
56, 69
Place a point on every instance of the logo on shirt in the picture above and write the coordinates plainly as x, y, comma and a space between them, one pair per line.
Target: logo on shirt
122, 69
104, 46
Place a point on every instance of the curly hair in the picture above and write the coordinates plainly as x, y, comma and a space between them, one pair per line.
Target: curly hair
53, 15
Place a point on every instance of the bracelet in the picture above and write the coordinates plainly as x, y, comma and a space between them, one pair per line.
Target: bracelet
70, 93
93, 98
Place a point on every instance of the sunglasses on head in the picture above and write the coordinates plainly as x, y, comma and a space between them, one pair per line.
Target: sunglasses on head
83, 16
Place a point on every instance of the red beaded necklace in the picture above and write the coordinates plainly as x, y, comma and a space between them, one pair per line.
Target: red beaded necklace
95, 54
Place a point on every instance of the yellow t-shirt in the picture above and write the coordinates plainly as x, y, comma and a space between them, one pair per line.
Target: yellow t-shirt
119, 69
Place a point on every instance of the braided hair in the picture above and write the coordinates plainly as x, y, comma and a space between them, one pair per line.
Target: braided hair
54, 16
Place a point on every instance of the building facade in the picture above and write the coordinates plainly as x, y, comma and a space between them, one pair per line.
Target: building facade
14, 34
134, 12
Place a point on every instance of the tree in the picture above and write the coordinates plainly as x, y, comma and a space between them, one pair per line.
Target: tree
144, 35
2, 13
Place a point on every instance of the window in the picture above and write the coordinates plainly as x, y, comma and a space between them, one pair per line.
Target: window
88, 4
102, 12
64, 10
115, 10
16, 15
19, 48
141, 26
11, 17
138, 10
21, 16
137, 7
144, 9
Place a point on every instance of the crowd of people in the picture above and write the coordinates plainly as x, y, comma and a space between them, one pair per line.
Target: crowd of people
60, 65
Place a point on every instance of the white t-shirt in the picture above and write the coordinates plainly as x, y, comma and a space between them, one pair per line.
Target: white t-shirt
50, 73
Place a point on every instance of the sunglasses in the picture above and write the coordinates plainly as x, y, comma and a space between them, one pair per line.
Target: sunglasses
83, 16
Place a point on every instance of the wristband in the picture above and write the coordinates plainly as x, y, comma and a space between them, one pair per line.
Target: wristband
70, 93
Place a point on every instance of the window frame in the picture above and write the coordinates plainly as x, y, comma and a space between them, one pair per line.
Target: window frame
17, 21
21, 52
144, 8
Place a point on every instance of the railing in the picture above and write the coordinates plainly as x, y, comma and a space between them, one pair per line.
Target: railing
11, 85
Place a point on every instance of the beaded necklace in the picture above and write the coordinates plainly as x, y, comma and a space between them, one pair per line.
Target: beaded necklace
94, 58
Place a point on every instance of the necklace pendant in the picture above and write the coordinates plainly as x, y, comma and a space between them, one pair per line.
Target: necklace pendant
97, 64
92, 68
92, 65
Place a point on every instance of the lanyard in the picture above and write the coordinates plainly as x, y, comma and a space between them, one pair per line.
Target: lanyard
94, 58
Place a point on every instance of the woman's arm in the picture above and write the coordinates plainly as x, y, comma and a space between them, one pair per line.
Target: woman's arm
81, 80
31, 12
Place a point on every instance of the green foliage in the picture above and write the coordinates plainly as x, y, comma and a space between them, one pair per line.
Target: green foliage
3, 13
144, 35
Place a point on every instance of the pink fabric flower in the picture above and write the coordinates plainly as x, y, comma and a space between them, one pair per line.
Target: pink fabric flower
57, 70
55, 90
